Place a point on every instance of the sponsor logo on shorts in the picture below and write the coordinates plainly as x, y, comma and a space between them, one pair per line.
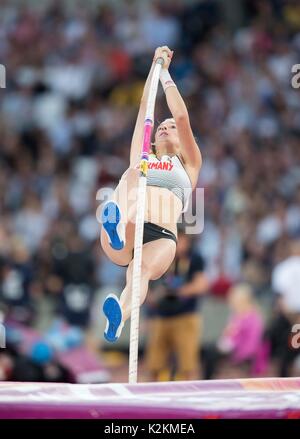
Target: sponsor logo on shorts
166, 233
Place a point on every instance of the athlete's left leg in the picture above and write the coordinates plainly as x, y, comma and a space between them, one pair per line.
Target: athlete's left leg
157, 257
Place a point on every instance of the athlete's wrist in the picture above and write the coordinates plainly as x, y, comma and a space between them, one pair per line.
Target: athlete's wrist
166, 79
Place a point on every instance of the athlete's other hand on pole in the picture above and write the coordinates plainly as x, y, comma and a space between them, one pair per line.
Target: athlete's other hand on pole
165, 53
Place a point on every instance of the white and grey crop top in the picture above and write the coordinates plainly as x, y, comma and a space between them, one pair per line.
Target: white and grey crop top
169, 173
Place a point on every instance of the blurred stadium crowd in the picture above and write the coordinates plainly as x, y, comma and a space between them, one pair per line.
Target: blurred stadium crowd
67, 114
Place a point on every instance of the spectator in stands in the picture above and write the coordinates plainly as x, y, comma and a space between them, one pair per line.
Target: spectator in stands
174, 316
241, 342
285, 284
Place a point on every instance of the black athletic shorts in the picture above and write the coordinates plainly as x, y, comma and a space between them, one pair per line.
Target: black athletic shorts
152, 232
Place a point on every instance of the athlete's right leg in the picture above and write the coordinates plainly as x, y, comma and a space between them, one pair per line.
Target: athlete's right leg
125, 197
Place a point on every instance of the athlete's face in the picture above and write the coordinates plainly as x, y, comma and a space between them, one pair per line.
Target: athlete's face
166, 137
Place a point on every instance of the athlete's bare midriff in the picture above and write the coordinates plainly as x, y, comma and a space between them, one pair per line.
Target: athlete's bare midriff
162, 208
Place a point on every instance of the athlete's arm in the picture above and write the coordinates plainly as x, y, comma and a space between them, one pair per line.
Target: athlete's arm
137, 138
190, 151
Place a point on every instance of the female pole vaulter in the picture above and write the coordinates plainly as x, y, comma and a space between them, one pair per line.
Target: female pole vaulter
172, 175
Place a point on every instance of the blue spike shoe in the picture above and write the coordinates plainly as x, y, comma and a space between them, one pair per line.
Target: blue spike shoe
111, 221
113, 312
